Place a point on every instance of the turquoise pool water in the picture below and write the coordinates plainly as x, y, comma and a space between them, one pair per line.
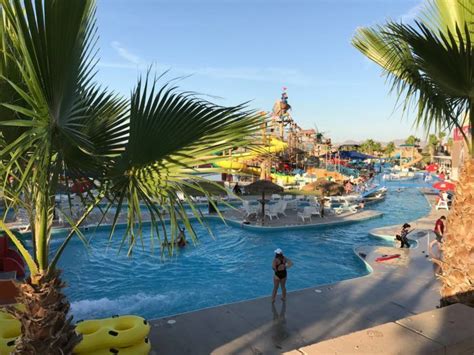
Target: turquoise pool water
234, 266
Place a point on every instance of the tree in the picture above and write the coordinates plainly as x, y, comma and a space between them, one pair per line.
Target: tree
441, 136
432, 145
58, 123
377, 147
370, 146
390, 149
430, 65
412, 140
449, 144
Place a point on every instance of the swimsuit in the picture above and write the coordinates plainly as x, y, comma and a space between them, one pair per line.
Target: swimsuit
281, 274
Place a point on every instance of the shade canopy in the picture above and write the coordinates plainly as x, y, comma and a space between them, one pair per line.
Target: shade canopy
263, 186
444, 186
432, 167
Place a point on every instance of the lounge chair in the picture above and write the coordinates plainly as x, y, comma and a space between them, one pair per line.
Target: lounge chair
272, 211
315, 210
282, 207
276, 197
249, 209
344, 208
288, 197
292, 204
306, 214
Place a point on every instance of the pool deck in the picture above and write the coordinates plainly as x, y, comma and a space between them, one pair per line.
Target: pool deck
396, 289
291, 221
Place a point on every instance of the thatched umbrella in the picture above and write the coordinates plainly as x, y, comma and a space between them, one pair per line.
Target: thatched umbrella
263, 187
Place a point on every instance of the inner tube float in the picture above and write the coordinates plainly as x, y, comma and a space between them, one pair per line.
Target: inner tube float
387, 257
142, 348
111, 333
10, 329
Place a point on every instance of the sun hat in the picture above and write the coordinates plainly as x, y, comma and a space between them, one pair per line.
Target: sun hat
278, 251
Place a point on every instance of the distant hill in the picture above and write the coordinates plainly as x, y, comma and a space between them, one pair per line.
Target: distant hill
396, 141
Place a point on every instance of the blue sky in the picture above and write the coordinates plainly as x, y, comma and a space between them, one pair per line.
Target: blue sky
241, 50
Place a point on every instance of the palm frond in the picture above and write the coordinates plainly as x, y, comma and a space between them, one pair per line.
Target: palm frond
169, 133
428, 69
446, 15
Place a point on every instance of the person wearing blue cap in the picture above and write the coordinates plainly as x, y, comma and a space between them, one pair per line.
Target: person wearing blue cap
279, 266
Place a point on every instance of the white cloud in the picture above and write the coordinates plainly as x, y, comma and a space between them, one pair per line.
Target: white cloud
126, 54
413, 13
132, 61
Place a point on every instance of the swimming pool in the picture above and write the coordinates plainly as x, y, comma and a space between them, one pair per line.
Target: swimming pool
233, 267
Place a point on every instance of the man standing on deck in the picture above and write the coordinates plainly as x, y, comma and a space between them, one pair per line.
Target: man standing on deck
439, 228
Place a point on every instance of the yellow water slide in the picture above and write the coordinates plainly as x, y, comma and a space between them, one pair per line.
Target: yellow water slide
417, 157
238, 163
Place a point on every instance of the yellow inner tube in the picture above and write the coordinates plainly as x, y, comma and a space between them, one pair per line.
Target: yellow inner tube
142, 348
115, 332
10, 329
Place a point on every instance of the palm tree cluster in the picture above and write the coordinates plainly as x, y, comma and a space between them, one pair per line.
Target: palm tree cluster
370, 147
59, 125
389, 149
430, 66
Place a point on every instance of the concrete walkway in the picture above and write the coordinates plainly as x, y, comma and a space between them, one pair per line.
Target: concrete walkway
447, 330
394, 290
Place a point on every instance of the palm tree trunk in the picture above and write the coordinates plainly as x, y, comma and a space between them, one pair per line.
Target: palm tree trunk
45, 325
458, 246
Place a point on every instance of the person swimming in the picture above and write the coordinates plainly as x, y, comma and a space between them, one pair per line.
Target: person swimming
180, 240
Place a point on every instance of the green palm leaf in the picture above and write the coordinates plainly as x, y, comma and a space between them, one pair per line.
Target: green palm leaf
429, 65
59, 123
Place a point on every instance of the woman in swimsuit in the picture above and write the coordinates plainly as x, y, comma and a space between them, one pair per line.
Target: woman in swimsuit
279, 265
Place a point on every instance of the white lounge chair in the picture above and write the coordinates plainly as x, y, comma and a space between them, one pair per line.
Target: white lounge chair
288, 197
272, 211
343, 208
306, 214
276, 197
315, 211
282, 207
292, 204
249, 209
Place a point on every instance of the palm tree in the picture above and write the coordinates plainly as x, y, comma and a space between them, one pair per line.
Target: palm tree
430, 65
412, 140
58, 124
432, 145
368, 146
389, 149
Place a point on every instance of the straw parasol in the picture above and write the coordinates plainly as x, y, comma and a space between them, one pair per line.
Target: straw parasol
263, 187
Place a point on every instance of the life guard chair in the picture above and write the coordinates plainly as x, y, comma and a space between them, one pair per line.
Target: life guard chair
442, 204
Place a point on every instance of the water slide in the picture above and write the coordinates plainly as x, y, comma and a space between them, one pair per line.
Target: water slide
416, 159
238, 163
